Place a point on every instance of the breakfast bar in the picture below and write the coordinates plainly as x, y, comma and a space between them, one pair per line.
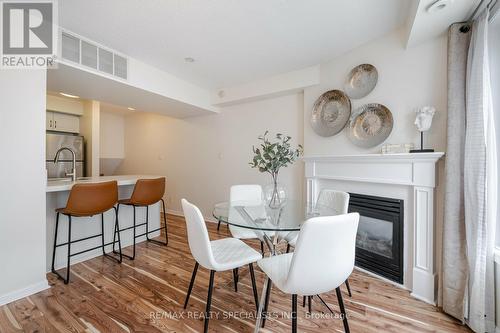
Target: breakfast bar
57, 196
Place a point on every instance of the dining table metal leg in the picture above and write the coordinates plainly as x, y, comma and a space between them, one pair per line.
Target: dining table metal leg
258, 322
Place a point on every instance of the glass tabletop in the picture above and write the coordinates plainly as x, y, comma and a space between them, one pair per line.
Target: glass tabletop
288, 217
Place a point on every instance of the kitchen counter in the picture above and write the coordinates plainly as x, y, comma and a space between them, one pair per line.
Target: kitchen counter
66, 184
57, 196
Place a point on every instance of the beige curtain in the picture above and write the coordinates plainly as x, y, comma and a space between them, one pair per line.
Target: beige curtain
454, 267
471, 180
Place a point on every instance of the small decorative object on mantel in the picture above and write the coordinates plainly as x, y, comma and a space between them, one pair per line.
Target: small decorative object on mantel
330, 113
370, 125
423, 121
402, 148
361, 81
270, 157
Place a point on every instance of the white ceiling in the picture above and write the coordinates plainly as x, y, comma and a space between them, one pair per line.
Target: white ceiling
233, 41
426, 25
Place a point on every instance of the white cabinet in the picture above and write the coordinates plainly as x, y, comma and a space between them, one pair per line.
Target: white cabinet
62, 122
64, 105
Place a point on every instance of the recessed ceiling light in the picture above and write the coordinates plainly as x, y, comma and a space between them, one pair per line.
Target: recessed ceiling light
68, 95
189, 59
439, 5
131, 109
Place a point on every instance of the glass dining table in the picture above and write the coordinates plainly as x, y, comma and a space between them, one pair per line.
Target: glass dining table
271, 224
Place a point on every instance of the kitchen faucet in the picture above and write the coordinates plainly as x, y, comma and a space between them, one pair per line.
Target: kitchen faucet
73, 173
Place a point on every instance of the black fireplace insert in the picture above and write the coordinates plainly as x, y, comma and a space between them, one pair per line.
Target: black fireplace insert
379, 241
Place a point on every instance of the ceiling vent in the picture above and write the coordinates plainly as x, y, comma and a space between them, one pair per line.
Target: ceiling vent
90, 55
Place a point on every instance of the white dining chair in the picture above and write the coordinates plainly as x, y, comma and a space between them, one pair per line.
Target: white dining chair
323, 259
219, 255
245, 195
339, 201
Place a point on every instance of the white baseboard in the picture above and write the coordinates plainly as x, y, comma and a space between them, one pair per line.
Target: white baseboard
24, 292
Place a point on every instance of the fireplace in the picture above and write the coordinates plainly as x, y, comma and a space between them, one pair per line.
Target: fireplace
379, 242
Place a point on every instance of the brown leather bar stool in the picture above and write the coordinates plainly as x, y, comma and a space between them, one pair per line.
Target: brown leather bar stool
86, 200
146, 192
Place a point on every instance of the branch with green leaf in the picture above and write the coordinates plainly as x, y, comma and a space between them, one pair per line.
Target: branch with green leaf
270, 157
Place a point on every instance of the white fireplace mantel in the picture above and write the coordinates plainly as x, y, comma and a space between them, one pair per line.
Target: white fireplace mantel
410, 177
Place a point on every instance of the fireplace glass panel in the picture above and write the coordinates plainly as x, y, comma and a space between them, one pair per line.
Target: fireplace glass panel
375, 235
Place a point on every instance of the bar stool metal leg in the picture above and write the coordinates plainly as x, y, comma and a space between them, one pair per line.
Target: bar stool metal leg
65, 279
55, 243
132, 257
117, 228
103, 245
164, 226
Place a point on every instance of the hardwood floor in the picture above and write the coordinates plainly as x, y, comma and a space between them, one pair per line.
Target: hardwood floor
147, 295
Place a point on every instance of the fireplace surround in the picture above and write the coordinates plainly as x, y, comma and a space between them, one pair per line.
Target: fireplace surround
410, 178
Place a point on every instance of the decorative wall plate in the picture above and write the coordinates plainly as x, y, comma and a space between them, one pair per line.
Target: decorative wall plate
370, 125
361, 81
330, 113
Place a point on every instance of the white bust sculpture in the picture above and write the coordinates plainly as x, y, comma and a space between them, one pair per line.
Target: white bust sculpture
423, 121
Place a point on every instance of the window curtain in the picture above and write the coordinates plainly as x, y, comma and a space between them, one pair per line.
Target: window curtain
471, 180
480, 186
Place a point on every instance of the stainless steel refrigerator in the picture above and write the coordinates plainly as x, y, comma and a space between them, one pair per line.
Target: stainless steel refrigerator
56, 141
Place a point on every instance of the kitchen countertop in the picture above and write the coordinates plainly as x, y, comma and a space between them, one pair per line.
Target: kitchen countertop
60, 185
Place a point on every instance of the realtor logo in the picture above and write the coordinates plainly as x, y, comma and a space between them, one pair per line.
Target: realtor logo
28, 33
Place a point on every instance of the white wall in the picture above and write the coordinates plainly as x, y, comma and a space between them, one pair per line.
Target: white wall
89, 128
23, 179
111, 141
408, 78
112, 137
203, 156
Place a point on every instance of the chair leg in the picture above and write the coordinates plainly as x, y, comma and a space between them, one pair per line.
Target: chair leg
117, 228
66, 281
218, 225
164, 227
254, 286
165, 221
262, 247
287, 248
348, 287
132, 257
294, 313
193, 277
102, 234
309, 299
266, 302
235, 278
102, 242
55, 243
342, 309
303, 301
209, 301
